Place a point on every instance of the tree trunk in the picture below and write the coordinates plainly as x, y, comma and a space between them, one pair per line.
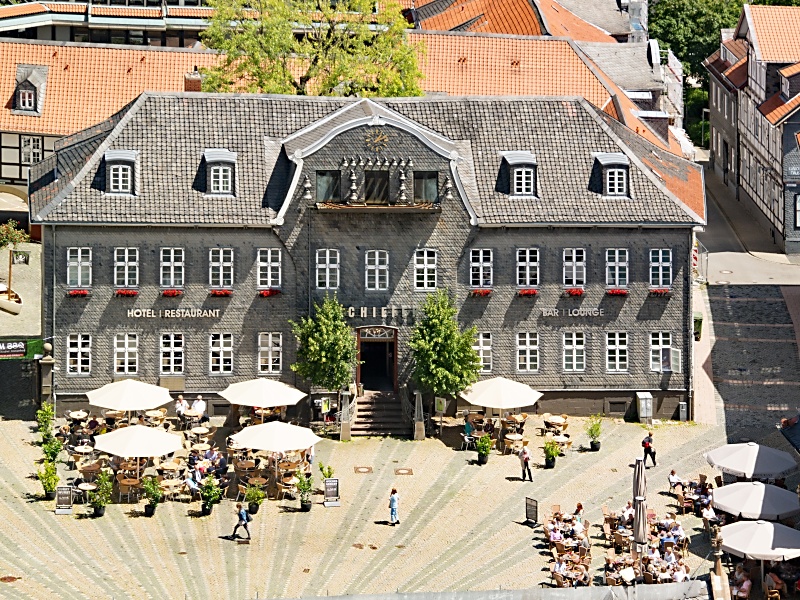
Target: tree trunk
232, 420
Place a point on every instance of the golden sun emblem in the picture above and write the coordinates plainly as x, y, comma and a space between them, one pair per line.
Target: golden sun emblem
376, 140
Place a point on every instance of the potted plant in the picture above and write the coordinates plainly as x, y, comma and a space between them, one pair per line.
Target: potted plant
101, 496
574, 291
305, 484
551, 451
483, 446
48, 476
44, 419
210, 494
153, 493
593, 426
51, 449
327, 472
254, 496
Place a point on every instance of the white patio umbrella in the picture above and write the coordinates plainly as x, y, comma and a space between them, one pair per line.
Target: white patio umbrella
276, 436
761, 540
262, 392
501, 393
128, 395
754, 500
751, 460
138, 441
640, 530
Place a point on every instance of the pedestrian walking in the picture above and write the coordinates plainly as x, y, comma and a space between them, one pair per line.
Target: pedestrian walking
647, 444
244, 519
525, 462
393, 499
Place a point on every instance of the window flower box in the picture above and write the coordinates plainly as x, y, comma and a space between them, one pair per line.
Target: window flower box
574, 291
481, 293
660, 291
220, 293
171, 293
127, 293
78, 293
268, 293
528, 292
616, 292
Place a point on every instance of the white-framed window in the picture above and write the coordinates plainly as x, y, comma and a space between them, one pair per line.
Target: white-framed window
31, 148
220, 353
327, 269
126, 267
574, 351
270, 352
660, 267
221, 179
79, 354
26, 100
220, 267
172, 354
376, 270
527, 267
616, 182
617, 267
269, 267
663, 357
616, 351
121, 179
126, 353
527, 352
483, 346
172, 266
574, 267
425, 269
523, 181
480, 268
79, 267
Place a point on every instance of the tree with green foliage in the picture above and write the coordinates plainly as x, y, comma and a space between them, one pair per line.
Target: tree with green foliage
327, 352
310, 47
445, 362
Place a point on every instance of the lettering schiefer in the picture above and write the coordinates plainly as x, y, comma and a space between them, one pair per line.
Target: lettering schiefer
572, 312
177, 313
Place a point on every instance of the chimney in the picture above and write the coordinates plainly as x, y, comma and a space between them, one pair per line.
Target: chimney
192, 81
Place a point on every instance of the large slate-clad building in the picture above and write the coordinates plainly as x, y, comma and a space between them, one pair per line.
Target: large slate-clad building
183, 234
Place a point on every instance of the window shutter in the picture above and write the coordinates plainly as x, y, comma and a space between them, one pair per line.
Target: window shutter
676, 360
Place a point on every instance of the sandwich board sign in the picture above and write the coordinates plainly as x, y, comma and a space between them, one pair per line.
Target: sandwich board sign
63, 500
331, 493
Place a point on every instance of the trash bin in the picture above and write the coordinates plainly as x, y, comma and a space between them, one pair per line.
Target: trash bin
698, 325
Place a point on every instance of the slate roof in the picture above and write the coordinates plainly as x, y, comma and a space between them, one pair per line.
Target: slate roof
170, 131
605, 14
627, 64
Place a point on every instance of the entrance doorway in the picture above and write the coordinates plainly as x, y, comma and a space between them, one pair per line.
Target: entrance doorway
377, 351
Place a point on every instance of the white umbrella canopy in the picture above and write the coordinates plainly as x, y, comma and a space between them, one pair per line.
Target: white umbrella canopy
276, 436
263, 393
761, 540
128, 395
138, 441
754, 500
501, 393
751, 460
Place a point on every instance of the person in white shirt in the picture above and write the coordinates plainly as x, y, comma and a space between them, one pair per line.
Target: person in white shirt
679, 574
653, 552
181, 406
674, 479
560, 567
199, 405
577, 528
677, 531
669, 557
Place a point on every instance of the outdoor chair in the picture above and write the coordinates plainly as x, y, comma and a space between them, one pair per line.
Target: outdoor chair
718, 481
648, 577
242, 491
683, 504
467, 441
613, 580
668, 546
703, 477
623, 543
283, 489
604, 508
555, 508
560, 548
125, 490
607, 533
559, 579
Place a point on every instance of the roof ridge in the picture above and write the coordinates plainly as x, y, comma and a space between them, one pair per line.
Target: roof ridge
126, 47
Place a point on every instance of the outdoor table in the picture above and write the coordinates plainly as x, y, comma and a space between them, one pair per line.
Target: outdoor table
560, 439
557, 420
259, 481
199, 430
85, 449
667, 576
201, 447
153, 414
245, 465
170, 468
192, 413
290, 480
514, 437
114, 414
129, 481
285, 464
628, 574
86, 488
78, 415
169, 484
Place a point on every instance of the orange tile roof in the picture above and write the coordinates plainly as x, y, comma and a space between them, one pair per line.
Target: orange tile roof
19, 10
126, 11
87, 83
790, 70
194, 13
516, 17
737, 47
737, 74
775, 29
67, 7
686, 184
775, 109
561, 22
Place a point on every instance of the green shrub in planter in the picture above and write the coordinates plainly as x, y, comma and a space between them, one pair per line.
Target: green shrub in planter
551, 450
152, 490
593, 427
326, 472
210, 493
101, 496
48, 477
51, 449
254, 496
44, 417
305, 485
483, 445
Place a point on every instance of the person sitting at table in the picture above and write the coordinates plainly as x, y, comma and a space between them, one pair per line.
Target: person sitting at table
669, 557
743, 589
555, 536
674, 479
468, 427
211, 454
199, 405
713, 518
737, 577
488, 427
63, 434
584, 542
577, 527
578, 512
560, 566
680, 573
773, 581
194, 457
581, 576
677, 532
626, 514
706, 495
190, 483
225, 481
115, 463
221, 465
653, 552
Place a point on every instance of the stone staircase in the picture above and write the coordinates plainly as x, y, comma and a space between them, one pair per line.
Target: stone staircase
379, 414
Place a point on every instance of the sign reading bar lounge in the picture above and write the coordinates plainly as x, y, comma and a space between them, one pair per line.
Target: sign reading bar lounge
177, 313
572, 312
380, 311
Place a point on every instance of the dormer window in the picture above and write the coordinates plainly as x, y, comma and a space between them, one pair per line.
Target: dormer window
523, 181
26, 99
522, 172
615, 166
29, 91
220, 171
121, 171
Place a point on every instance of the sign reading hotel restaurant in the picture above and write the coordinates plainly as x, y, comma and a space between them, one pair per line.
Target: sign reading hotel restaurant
572, 312
177, 313
13, 348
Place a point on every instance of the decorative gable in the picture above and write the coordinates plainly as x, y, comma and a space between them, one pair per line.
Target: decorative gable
519, 173
220, 171
29, 91
610, 174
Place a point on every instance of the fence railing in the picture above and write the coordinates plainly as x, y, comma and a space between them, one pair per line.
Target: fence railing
349, 410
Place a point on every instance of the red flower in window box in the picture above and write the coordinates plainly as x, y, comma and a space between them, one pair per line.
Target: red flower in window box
528, 292
660, 292
268, 293
127, 292
480, 293
78, 293
617, 292
171, 293
574, 291
221, 293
